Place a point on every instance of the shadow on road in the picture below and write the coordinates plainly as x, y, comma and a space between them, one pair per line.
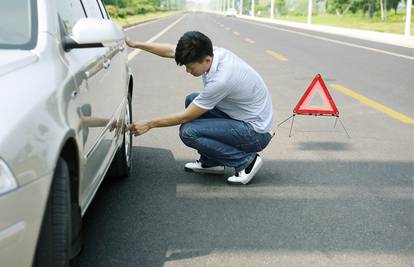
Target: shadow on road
162, 213
324, 146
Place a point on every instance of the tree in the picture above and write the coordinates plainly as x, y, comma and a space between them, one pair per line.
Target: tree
371, 4
393, 4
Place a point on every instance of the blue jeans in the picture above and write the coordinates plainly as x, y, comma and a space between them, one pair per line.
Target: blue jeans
221, 140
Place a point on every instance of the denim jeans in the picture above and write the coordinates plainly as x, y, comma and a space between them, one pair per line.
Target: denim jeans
221, 140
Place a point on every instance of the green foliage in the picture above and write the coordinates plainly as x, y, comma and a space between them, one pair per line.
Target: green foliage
124, 8
337, 6
261, 8
280, 5
392, 4
117, 3
370, 8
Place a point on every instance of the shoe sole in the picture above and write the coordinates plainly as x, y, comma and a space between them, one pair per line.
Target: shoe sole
204, 171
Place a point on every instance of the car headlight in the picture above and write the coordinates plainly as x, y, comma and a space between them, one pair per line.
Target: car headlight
7, 180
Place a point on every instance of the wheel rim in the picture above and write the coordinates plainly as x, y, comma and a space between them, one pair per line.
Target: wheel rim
127, 136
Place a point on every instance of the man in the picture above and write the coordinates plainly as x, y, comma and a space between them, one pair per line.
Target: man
230, 120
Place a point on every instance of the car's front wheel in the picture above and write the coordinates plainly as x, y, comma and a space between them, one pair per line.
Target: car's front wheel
54, 243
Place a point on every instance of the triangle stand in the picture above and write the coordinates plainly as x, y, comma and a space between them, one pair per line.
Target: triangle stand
293, 119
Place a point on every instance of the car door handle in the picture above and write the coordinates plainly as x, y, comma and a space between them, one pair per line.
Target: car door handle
106, 63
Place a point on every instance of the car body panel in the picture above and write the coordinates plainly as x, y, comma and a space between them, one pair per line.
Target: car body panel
19, 229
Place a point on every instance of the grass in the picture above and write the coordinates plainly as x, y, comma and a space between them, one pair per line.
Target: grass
393, 23
139, 18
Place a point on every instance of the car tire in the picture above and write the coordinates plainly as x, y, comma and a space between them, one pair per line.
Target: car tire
53, 247
121, 164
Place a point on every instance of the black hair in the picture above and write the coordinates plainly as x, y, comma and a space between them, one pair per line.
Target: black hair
193, 47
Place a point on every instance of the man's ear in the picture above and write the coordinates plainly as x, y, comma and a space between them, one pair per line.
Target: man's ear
208, 59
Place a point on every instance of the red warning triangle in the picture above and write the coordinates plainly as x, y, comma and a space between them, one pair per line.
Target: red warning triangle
326, 107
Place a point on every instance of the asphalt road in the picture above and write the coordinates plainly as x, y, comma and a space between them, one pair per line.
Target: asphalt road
321, 198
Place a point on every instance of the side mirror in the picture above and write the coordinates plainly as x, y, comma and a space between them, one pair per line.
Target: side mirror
92, 32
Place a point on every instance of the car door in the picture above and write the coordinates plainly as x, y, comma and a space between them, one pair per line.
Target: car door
107, 92
97, 104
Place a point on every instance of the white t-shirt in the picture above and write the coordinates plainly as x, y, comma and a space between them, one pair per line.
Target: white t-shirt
237, 89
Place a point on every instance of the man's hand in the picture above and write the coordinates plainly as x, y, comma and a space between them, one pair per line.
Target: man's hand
139, 128
129, 42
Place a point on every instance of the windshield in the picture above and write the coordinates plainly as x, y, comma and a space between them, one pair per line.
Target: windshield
18, 24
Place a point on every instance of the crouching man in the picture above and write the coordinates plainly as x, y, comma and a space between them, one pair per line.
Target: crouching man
230, 120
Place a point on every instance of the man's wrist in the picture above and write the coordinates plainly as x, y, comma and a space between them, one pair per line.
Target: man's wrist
151, 124
133, 44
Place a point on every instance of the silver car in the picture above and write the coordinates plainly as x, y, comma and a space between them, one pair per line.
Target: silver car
65, 100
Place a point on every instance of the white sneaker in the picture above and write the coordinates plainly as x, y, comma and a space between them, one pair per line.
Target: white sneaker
197, 167
244, 178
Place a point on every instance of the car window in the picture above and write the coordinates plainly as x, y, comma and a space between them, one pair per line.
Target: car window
70, 11
104, 11
92, 9
18, 24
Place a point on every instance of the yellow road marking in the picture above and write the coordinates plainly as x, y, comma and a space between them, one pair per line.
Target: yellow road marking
277, 55
228, 28
390, 112
236, 33
249, 40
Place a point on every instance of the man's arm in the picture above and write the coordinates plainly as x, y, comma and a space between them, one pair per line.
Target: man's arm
190, 113
163, 50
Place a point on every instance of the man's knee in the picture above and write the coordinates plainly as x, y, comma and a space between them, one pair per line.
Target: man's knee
188, 134
190, 99
185, 133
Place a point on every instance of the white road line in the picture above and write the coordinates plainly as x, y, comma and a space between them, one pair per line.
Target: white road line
142, 24
148, 22
332, 40
137, 51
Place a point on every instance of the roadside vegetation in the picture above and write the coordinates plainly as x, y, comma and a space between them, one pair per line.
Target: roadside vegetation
374, 15
126, 12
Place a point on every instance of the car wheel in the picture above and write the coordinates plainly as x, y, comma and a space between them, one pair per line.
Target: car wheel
121, 164
53, 247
